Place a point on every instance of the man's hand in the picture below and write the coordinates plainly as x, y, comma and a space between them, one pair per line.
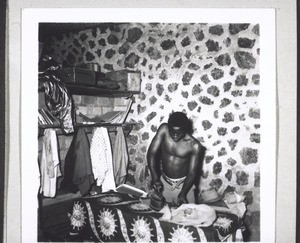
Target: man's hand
158, 187
181, 199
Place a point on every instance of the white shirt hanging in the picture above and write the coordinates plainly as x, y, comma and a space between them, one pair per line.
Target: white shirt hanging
49, 166
101, 158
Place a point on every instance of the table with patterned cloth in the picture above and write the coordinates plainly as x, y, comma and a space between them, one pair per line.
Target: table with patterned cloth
116, 217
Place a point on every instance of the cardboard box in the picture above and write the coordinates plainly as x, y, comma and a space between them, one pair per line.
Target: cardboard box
80, 76
132, 79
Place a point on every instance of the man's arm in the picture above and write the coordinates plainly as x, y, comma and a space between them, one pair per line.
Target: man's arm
152, 153
193, 170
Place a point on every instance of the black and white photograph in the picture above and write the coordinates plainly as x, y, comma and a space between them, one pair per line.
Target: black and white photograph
150, 130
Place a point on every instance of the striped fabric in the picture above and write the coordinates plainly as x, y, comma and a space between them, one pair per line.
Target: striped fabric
120, 157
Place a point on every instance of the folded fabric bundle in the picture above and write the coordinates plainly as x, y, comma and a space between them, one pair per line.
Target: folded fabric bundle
233, 197
238, 209
210, 195
190, 215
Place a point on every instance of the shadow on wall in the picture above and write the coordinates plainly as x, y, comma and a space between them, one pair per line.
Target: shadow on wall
252, 224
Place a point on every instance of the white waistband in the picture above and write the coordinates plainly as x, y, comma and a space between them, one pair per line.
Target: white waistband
174, 180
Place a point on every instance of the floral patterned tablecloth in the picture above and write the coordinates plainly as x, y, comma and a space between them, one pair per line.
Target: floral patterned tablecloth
116, 217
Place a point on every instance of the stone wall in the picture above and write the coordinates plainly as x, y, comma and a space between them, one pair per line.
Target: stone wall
209, 71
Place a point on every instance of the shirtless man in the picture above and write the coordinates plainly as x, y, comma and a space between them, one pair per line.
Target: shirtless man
180, 158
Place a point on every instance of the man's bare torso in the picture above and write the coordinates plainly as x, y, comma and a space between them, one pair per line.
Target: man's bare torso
176, 155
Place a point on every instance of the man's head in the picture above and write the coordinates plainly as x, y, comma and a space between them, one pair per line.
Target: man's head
178, 125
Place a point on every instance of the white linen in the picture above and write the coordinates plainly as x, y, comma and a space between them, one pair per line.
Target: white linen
49, 165
101, 159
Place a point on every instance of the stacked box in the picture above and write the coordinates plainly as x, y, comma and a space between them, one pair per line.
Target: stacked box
128, 80
80, 76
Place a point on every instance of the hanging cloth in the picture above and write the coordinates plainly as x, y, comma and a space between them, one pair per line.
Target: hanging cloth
57, 99
120, 157
49, 165
78, 172
101, 157
59, 103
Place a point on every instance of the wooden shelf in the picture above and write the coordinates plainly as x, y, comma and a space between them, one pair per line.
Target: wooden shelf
79, 89
127, 127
